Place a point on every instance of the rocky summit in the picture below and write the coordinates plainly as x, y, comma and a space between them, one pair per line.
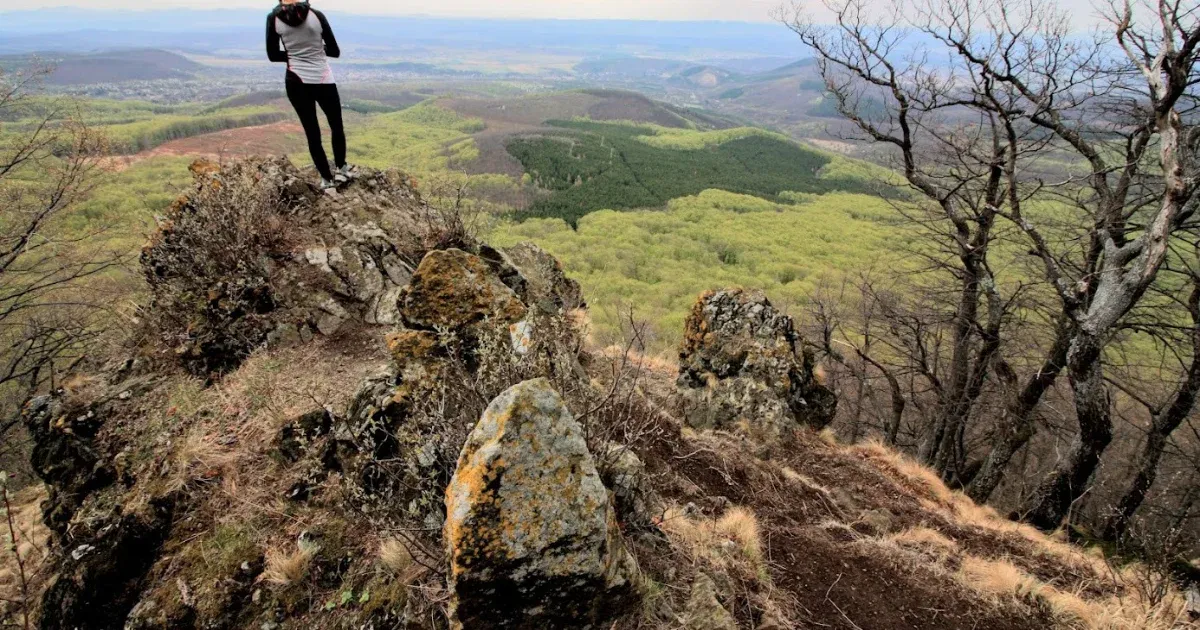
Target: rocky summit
344, 411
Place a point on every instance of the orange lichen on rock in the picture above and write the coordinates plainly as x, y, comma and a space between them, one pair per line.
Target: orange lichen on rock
452, 289
527, 516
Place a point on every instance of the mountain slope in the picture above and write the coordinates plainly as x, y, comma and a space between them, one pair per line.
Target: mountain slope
284, 452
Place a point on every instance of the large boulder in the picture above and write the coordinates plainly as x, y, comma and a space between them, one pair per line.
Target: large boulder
743, 366
546, 284
531, 533
452, 289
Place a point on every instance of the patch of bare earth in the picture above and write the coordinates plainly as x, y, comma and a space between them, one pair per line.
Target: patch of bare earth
275, 139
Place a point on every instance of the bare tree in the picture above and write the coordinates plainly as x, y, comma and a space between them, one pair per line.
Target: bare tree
46, 160
1110, 106
858, 357
1166, 416
1096, 109
954, 140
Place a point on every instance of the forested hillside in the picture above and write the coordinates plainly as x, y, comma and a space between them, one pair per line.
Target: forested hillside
616, 166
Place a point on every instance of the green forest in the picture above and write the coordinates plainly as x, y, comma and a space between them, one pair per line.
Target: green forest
594, 166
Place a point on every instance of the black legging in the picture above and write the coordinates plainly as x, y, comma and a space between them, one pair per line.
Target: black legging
305, 98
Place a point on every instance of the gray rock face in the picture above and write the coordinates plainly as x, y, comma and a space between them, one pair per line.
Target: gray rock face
546, 284
704, 610
529, 528
742, 366
625, 475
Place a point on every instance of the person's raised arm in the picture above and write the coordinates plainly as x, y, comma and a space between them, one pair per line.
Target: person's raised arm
331, 45
275, 52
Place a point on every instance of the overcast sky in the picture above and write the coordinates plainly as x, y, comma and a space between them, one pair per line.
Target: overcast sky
739, 10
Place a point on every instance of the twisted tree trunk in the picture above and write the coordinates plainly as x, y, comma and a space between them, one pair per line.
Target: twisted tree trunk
1093, 409
1161, 428
1017, 426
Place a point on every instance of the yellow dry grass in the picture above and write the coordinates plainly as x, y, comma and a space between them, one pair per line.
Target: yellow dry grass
285, 566
395, 556
729, 542
924, 537
225, 433
906, 469
1001, 579
741, 526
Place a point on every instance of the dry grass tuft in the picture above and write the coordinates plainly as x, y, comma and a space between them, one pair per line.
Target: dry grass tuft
907, 469
924, 537
741, 526
828, 436
200, 457
709, 542
287, 567
998, 579
395, 556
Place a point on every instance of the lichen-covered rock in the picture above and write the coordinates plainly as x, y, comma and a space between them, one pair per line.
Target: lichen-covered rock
531, 534
624, 473
743, 366
546, 284
452, 289
704, 609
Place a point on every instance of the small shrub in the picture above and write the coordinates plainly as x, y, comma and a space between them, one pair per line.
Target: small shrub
208, 265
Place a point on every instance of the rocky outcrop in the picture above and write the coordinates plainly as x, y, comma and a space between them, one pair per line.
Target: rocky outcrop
743, 366
254, 254
104, 548
102, 574
546, 285
453, 289
64, 456
530, 532
704, 609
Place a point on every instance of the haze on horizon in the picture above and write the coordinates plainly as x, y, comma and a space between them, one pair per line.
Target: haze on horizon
672, 10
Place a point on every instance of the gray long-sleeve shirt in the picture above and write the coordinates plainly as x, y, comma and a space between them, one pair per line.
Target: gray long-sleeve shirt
307, 42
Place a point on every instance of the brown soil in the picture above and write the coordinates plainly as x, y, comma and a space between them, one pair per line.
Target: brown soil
275, 139
830, 578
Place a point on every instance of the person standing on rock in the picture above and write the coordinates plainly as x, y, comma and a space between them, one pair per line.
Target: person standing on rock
307, 44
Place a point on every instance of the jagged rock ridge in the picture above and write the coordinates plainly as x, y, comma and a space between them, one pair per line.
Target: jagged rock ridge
395, 426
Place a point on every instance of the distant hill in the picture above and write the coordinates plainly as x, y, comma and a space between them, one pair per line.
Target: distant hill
115, 66
528, 112
705, 76
806, 67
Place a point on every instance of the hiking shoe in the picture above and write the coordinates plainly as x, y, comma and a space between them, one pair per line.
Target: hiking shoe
327, 185
343, 174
